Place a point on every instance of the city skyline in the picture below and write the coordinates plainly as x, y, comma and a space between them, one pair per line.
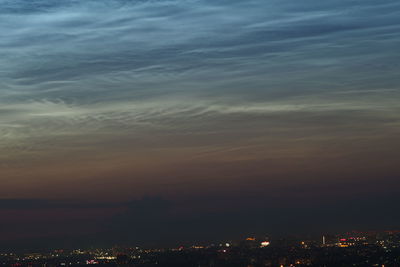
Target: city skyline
342, 249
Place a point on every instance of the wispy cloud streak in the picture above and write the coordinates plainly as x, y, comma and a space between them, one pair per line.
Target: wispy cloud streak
225, 73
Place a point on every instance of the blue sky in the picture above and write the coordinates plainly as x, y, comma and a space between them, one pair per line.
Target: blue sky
191, 97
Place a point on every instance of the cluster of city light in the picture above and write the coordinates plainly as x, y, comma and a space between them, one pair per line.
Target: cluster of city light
225, 250
264, 244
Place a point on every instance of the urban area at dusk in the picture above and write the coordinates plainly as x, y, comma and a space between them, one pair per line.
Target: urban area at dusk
237, 133
346, 249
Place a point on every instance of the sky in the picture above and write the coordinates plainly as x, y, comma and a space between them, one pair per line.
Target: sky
176, 121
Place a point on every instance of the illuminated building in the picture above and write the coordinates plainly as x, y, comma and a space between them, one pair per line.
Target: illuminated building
264, 244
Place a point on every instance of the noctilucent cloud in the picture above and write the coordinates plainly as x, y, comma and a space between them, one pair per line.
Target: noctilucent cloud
217, 117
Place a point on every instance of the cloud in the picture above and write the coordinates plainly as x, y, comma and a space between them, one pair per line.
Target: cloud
116, 93
43, 204
155, 221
